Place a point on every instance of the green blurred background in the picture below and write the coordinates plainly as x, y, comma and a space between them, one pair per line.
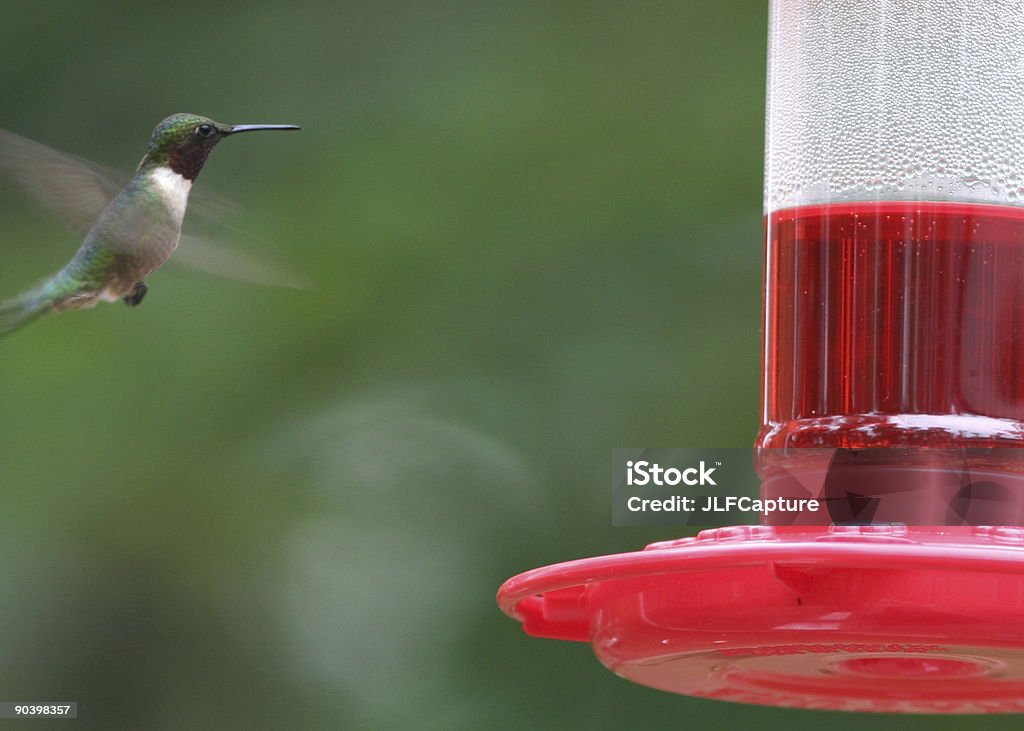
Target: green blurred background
534, 231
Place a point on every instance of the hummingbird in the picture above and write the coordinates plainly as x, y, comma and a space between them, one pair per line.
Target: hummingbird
137, 231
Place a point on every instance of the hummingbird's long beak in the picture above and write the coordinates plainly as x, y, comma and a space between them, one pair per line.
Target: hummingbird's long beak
252, 127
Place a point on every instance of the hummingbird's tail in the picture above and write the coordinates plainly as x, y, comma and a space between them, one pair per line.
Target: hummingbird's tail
26, 307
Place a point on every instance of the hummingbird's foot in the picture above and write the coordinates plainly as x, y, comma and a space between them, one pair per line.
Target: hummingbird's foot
138, 293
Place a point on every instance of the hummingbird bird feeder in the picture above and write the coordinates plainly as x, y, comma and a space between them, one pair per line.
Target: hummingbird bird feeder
893, 333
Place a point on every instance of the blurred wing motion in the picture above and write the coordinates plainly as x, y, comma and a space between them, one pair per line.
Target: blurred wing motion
72, 189
76, 191
221, 259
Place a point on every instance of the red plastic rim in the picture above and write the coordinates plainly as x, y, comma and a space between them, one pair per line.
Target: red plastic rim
862, 618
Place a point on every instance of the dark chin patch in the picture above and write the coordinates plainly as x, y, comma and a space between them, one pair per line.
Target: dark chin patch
189, 161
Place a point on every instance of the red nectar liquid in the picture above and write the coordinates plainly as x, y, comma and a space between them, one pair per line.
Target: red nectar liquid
894, 324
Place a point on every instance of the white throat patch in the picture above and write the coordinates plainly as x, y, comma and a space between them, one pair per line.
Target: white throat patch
173, 188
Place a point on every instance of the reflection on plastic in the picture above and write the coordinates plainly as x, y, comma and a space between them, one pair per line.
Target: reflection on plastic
921, 487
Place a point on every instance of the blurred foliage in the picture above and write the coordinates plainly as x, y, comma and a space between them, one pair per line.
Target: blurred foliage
534, 229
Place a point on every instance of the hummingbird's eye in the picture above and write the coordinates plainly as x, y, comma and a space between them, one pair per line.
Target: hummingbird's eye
204, 130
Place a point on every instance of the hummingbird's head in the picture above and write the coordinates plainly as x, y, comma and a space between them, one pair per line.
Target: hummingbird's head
182, 142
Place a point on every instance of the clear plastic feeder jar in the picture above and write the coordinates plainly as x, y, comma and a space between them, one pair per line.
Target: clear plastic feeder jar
894, 221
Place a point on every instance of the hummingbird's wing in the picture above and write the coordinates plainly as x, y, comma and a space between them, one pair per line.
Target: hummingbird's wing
73, 189
221, 259
76, 191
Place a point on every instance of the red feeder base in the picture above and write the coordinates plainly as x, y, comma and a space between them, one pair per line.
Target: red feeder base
862, 618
